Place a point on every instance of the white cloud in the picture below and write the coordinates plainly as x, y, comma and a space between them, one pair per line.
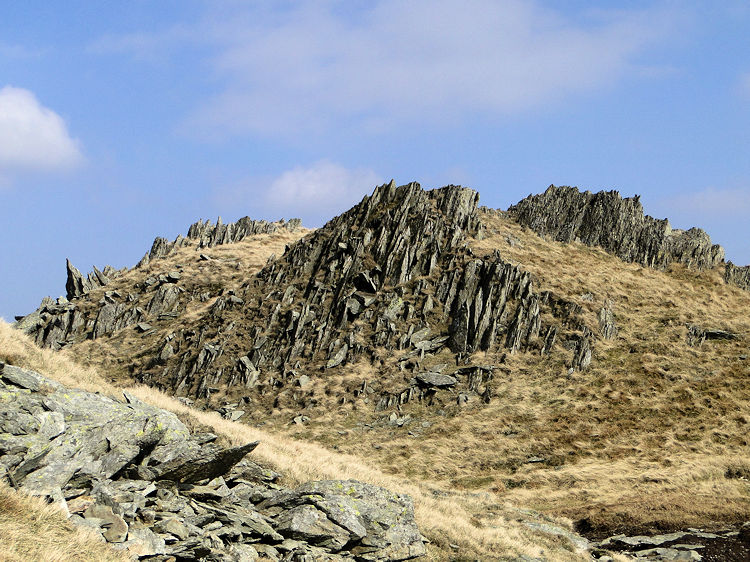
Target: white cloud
315, 193
317, 65
322, 186
708, 203
33, 137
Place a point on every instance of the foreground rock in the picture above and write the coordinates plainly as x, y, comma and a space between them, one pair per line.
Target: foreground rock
728, 545
137, 475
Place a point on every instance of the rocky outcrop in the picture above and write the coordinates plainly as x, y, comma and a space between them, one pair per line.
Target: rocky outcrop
60, 322
136, 474
739, 276
77, 285
202, 234
617, 225
697, 335
207, 235
395, 273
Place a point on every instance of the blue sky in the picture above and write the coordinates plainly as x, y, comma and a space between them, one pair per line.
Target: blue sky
122, 121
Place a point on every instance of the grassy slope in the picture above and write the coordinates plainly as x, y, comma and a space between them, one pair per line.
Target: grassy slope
444, 517
643, 439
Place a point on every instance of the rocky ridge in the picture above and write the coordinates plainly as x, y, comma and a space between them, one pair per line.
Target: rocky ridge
207, 235
616, 224
201, 234
140, 478
393, 273
60, 322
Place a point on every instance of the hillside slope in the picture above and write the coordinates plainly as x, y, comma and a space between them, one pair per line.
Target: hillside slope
444, 517
455, 345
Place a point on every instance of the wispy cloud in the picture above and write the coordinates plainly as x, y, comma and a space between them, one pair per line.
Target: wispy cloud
314, 193
290, 68
709, 203
14, 51
425, 62
150, 46
33, 137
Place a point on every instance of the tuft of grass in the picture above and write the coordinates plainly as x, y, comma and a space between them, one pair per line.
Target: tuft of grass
31, 529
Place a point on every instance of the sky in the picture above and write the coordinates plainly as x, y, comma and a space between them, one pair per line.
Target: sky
123, 121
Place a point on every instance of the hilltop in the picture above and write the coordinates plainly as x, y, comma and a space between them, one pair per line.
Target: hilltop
571, 354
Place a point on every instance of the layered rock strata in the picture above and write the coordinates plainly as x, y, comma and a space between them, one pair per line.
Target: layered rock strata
617, 225
140, 478
394, 273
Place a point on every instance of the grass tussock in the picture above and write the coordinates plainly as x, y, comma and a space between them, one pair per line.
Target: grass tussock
30, 529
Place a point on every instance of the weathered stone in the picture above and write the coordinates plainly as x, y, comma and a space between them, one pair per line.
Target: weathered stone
617, 225
739, 276
581, 354
697, 335
144, 542
386, 518
338, 357
307, 523
208, 462
436, 379
172, 526
115, 528
607, 327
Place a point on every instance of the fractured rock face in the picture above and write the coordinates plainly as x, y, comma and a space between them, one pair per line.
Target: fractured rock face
739, 276
138, 476
385, 274
395, 272
617, 225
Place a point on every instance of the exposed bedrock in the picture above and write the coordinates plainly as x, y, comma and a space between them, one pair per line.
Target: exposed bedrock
135, 474
617, 225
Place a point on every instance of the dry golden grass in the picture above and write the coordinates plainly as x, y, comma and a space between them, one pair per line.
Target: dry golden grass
645, 438
30, 529
478, 524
